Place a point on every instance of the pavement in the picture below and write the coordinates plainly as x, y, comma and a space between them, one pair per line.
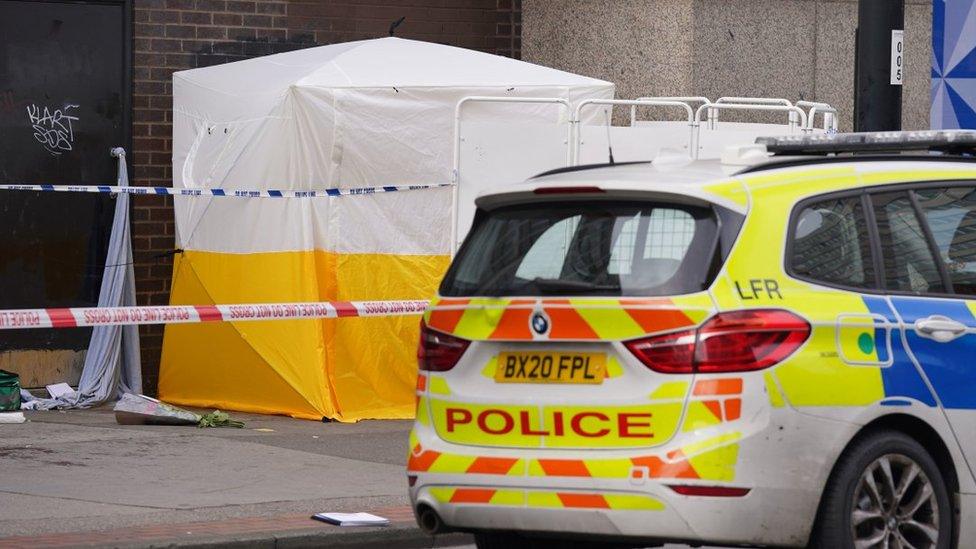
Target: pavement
77, 478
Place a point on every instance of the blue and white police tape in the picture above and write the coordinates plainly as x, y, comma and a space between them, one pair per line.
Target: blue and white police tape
238, 193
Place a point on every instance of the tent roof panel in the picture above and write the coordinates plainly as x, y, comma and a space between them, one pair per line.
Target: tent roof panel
378, 63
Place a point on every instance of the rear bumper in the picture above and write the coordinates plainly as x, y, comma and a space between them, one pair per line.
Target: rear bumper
749, 519
781, 456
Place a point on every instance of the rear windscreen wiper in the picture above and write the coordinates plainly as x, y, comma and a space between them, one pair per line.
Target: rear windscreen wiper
558, 284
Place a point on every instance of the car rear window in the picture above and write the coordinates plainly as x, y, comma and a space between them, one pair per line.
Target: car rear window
586, 249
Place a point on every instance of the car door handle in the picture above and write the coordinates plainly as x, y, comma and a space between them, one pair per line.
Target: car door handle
940, 328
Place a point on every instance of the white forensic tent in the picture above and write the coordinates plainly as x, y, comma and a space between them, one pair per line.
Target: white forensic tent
369, 113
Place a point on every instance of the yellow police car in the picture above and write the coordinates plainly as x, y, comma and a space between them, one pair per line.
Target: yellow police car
781, 353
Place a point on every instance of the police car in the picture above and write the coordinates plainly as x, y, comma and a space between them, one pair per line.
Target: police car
777, 353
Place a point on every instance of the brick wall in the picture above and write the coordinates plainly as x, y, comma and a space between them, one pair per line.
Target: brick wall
172, 35
508, 30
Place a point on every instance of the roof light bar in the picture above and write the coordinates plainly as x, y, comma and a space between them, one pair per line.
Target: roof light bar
945, 141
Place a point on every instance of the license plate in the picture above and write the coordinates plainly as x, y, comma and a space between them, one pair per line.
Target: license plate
551, 368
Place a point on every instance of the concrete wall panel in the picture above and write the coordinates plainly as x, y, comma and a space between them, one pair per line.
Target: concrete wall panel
834, 77
645, 47
798, 49
917, 95
763, 48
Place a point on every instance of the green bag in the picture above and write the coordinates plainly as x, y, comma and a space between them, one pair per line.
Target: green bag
9, 391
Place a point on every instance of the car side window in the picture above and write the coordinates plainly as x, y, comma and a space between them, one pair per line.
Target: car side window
909, 265
830, 244
950, 213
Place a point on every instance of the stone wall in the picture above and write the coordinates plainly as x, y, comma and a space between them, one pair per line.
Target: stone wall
797, 49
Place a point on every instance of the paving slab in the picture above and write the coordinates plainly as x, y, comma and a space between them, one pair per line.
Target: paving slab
68, 475
188, 473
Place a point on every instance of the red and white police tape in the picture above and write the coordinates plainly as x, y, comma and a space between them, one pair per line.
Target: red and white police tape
19, 319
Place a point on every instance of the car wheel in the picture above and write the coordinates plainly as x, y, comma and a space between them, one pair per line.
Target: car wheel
886, 491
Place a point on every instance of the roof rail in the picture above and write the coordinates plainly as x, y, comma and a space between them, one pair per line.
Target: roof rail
689, 99
797, 118
961, 142
754, 101
829, 114
633, 103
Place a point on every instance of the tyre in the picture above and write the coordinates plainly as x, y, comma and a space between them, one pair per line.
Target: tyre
885, 491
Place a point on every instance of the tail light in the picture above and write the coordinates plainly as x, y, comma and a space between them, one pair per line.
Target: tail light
438, 352
737, 341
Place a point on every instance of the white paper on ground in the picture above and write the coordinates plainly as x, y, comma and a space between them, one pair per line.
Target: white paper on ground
59, 389
12, 417
352, 519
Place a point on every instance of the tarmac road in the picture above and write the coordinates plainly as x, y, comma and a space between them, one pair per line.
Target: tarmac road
667, 546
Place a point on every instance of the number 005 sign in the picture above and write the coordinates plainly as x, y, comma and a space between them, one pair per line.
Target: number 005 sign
897, 56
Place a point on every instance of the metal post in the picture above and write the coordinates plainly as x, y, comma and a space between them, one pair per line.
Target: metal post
879, 65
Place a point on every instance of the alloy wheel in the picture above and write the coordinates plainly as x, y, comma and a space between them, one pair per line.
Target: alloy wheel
894, 506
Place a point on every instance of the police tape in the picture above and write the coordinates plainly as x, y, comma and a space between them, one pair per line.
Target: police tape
80, 317
238, 193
